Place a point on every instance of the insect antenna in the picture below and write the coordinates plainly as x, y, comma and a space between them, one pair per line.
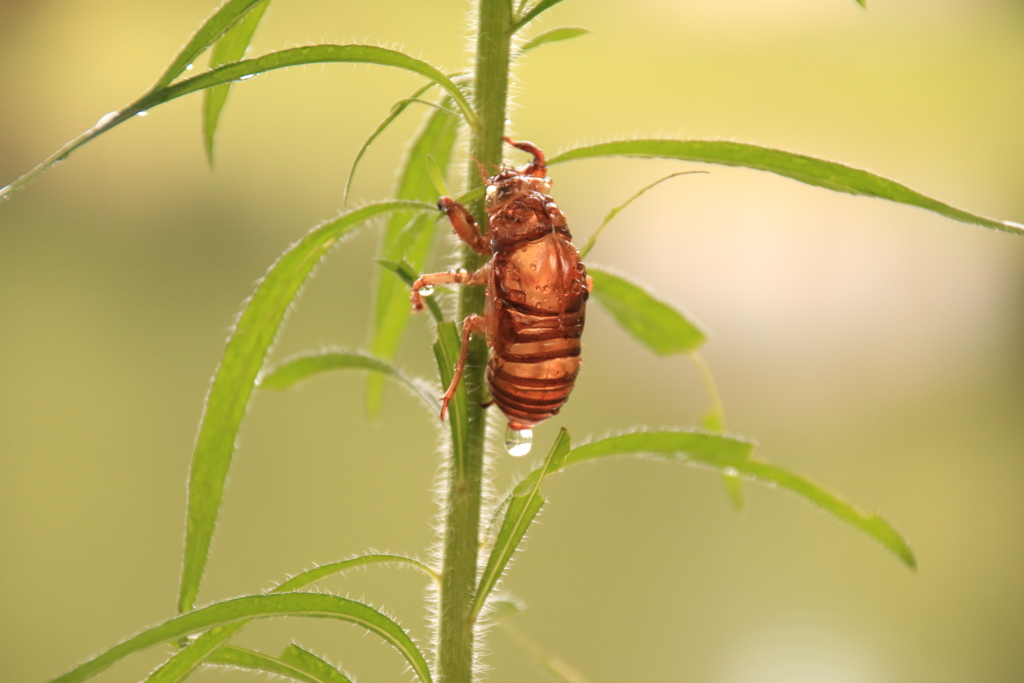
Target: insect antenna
480, 167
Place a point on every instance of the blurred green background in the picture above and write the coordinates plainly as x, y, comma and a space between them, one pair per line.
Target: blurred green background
874, 347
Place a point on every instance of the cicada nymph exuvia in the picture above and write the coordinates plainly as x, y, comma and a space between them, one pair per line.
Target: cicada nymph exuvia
537, 290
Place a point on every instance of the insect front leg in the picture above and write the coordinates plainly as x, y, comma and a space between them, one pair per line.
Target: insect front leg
539, 167
452, 277
465, 225
472, 323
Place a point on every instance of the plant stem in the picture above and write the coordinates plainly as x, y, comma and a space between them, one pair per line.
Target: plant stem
455, 650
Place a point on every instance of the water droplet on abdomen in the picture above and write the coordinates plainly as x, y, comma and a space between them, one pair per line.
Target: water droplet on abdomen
518, 442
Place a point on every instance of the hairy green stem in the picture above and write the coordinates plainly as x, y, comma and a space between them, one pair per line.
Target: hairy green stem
455, 649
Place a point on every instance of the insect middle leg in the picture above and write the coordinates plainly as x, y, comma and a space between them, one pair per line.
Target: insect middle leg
452, 277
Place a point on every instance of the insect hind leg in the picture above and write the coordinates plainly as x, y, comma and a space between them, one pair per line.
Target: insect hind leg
473, 323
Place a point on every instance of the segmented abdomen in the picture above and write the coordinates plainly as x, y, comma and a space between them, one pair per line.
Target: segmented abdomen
533, 369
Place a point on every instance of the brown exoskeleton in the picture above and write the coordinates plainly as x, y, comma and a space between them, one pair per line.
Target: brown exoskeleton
537, 290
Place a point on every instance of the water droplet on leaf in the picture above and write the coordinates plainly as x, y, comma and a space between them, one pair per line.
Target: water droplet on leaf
106, 118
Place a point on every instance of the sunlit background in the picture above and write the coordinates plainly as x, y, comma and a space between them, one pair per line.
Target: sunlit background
873, 347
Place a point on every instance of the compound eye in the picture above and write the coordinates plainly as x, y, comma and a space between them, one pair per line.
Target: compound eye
491, 189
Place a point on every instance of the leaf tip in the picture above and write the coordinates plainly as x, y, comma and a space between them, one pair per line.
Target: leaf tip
893, 540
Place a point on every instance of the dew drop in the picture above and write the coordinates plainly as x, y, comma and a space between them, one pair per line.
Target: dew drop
143, 112
189, 67
518, 442
106, 118
246, 77
426, 291
731, 472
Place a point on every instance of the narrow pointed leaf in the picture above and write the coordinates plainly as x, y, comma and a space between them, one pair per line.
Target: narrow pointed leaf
205, 647
553, 36
312, 54
230, 48
615, 212
318, 54
733, 456
658, 326
436, 176
235, 378
533, 13
256, 607
408, 237
498, 610
225, 17
826, 174
396, 110
301, 367
523, 507
241, 658
309, 663
317, 573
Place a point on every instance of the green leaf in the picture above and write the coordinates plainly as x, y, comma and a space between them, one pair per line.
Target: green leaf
230, 48
436, 176
295, 662
205, 647
556, 667
655, 324
238, 657
533, 13
258, 607
827, 174
318, 54
307, 662
503, 609
615, 212
212, 29
235, 378
446, 353
396, 110
732, 456
317, 573
523, 507
312, 54
408, 237
553, 36
302, 366
220, 22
